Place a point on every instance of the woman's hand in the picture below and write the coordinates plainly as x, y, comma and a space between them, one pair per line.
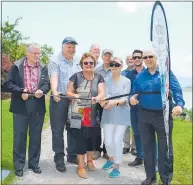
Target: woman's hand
103, 103
95, 100
110, 105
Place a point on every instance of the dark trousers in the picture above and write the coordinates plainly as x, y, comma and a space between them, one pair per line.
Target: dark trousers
137, 137
151, 122
98, 139
58, 118
98, 142
20, 126
71, 141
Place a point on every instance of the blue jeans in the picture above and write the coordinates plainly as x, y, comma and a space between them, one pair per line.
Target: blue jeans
137, 138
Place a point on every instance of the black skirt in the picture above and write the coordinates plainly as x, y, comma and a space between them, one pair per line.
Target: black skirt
86, 132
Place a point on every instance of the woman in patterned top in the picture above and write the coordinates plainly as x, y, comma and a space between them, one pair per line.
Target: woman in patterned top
84, 115
116, 116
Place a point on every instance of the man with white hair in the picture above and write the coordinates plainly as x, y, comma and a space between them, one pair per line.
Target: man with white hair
151, 119
95, 50
27, 75
61, 67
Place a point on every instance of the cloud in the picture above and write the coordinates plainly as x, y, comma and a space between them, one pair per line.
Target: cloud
132, 7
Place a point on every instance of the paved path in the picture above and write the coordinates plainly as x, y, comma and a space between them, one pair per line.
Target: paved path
129, 175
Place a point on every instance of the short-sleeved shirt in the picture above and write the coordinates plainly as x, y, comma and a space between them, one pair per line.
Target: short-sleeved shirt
64, 68
105, 73
85, 89
119, 115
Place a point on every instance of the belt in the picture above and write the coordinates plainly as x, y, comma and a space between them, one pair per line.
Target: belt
151, 110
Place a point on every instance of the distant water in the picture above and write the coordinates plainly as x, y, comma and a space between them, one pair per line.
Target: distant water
188, 99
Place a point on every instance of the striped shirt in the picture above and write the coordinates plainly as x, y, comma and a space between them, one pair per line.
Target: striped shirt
64, 68
30, 76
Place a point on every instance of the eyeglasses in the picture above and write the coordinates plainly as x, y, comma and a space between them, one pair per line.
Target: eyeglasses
114, 64
135, 57
146, 57
88, 62
34, 53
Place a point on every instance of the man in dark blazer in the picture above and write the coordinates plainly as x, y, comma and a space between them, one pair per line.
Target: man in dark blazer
31, 76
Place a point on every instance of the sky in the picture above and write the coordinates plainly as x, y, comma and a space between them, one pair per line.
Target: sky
120, 26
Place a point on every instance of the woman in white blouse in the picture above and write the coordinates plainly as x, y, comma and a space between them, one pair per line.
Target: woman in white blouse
116, 116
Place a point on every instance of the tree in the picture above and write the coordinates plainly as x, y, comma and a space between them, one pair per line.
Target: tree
46, 52
12, 39
13, 44
14, 48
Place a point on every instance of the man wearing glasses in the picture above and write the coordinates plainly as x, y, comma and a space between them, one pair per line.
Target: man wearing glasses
28, 75
151, 119
138, 61
129, 145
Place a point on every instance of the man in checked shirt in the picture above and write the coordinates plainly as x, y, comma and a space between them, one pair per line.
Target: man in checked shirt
27, 75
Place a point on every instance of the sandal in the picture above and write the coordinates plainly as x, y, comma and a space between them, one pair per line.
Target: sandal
90, 165
82, 173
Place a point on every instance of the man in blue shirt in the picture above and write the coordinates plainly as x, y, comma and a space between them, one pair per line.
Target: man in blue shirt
151, 119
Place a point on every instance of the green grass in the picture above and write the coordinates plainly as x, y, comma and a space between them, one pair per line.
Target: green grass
7, 138
182, 141
182, 146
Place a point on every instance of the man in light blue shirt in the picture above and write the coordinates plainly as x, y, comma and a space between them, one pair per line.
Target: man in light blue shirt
105, 71
61, 67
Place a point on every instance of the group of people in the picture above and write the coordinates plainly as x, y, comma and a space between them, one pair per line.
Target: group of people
79, 102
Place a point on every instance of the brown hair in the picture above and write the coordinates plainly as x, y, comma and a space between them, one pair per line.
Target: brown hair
86, 55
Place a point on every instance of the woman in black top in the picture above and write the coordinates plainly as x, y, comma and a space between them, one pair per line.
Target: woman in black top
84, 115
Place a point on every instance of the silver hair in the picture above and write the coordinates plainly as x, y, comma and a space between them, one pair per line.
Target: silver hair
31, 46
93, 46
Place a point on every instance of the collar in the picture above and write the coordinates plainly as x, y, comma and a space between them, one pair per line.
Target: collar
64, 59
29, 65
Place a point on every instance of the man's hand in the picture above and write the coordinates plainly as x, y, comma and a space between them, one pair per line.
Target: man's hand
56, 96
24, 96
176, 111
133, 100
39, 93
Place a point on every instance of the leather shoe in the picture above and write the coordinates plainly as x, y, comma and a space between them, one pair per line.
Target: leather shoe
138, 161
61, 167
36, 169
149, 181
105, 155
126, 150
71, 160
19, 173
133, 152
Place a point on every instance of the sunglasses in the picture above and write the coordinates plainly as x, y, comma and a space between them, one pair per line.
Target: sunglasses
89, 62
146, 57
135, 57
112, 64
